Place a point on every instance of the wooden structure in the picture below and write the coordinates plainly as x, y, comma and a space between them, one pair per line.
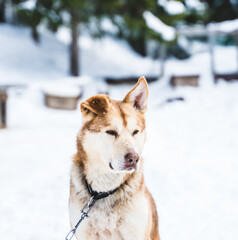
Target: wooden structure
186, 80
175, 99
211, 31
61, 102
3, 108
225, 76
3, 101
127, 80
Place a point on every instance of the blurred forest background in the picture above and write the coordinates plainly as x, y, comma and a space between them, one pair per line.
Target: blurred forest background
126, 19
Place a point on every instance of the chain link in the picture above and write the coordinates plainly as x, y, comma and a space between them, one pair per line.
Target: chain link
88, 206
84, 214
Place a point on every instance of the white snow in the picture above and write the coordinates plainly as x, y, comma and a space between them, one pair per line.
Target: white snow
63, 34
68, 87
173, 7
108, 26
198, 5
225, 62
191, 154
29, 4
225, 26
63, 91
196, 163
167, 32
22, 60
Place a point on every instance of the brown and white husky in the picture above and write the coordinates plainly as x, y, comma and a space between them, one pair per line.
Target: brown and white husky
109, 145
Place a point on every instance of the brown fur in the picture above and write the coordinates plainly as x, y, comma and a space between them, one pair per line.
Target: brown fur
154, 226
98, 112
97, 104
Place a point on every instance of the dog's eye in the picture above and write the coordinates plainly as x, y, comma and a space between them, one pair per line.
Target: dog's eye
112, 132
135, 132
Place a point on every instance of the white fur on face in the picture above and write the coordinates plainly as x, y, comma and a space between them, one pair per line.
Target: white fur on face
105, 150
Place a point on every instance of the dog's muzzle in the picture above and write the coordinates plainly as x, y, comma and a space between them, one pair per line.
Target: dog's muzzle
130, 161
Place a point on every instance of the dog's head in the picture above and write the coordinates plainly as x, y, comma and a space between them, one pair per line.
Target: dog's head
113, 132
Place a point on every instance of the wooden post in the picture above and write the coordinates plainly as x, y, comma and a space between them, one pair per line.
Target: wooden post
74, 55
3, 108
211, 50
162, 55
236, 42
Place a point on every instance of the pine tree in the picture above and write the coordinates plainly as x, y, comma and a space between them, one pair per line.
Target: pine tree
221, 10
56, 13
2, 10
127, 16
133, 28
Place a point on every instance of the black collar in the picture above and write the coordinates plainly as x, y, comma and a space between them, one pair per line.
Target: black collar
98, 195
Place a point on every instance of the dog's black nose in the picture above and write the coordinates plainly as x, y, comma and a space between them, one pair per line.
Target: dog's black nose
131, 158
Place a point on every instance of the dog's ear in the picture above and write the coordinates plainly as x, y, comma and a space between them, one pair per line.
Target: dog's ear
95, 106
138, 96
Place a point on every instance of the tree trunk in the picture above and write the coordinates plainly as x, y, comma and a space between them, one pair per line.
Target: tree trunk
2, 10
74, 56
162, 56
35, 34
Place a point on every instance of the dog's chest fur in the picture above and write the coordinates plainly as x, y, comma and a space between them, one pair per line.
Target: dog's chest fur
106, 223
103, 216
102, 220
114, 217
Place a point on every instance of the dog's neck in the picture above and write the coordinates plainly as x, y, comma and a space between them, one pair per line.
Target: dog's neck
100, 178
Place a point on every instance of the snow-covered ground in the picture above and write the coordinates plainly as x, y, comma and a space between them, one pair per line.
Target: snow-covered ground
23, 61
191, 154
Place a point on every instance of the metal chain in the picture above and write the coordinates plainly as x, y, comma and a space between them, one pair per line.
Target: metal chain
87, 208
84, 213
